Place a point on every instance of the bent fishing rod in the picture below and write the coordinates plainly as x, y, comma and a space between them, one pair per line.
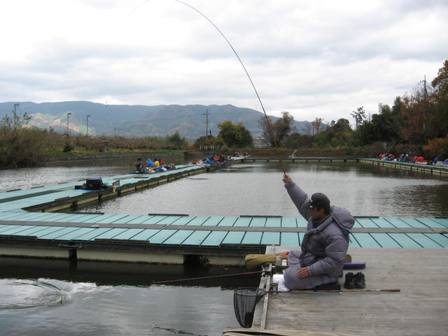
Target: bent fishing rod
196, 10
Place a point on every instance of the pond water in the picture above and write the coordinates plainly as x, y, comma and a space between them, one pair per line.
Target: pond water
257, 189
44, 297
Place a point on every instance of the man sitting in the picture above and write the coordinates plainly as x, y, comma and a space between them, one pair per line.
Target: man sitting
324, 246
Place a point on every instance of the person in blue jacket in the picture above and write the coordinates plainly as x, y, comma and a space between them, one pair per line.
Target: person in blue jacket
324, 247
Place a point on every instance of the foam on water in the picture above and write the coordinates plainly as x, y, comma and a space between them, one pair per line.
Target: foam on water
21, 294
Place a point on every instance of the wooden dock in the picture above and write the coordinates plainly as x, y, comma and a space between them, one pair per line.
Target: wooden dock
30, 227
297, 159
413, 167
164, 238
418, 309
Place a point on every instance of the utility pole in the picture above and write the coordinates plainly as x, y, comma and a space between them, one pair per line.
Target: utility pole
425, 102
68, 123
206, 123
425, 90
16, 105
87, 124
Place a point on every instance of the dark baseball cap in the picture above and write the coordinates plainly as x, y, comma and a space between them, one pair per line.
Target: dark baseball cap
320, 201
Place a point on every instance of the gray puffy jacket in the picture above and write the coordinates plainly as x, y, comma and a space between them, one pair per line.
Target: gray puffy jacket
323, 248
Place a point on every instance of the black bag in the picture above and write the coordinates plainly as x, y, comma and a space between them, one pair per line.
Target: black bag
95, 183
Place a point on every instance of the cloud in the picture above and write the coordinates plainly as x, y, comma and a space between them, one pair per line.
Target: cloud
319, 58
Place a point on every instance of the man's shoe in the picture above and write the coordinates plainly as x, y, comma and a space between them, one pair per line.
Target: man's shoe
359, 281
349, 281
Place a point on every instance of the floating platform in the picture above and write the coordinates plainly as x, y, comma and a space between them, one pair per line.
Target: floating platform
304, 159
64, 196
415, 167
221, 240
31, 227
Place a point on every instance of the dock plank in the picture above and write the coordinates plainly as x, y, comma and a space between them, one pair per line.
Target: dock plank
33, 231
397, 222
5, 228
442, 221
353, 241
110, 234
365, 222
110, 219
198, 220
243, 221
73, 235
213, 221
385, 240
289, 222
215, 238
93, 234
404, 240
258, 222
430, 222
270, 238
228, 221
365, 240
168, 220
128, 234
196, 238
161, 236
274, 222
14, 229
233, 238
424, 240
58, 233
289, 239
142, 219
145, 234
50, 229
414, 223
126, 219
252, 238
438, 238
178, 237
184, 220
418, 309
382, 222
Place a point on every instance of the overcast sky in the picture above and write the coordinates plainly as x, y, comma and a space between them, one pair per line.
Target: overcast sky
311, 58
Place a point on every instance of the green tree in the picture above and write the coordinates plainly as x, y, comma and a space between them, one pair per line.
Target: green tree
234, 135
297, 140
337, 134
176, 140
359, 115
439, 120
20, 145
276, 133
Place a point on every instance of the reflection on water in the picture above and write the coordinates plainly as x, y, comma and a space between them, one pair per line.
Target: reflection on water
115, 274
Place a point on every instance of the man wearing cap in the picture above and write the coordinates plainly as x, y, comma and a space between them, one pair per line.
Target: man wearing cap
325, 243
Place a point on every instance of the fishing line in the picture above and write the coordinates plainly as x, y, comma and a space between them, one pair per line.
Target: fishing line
268, 121
219, 276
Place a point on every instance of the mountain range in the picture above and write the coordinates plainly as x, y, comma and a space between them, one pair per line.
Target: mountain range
138, 120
